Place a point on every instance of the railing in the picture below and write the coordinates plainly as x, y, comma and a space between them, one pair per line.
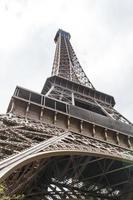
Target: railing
75, 111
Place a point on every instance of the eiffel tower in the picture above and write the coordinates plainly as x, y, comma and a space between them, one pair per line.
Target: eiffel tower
67, 142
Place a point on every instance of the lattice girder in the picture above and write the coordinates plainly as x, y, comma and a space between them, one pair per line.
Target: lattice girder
66, 63
80, 152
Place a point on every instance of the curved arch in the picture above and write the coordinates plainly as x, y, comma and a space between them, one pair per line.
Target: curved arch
5, 172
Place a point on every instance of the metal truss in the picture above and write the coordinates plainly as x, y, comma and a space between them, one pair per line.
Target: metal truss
66, 63
59, 164
117, 116
67, 66
69, 96
17, 134
61, 94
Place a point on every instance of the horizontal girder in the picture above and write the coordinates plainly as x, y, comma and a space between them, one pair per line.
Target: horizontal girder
73, 165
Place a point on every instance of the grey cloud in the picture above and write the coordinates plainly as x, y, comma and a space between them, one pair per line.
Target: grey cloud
116, 14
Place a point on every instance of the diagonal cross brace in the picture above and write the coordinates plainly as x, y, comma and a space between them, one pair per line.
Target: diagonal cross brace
7, 163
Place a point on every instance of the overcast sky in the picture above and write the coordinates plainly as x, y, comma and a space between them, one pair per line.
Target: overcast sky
101, 34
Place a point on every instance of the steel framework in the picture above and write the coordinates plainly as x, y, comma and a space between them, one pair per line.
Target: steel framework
68, 142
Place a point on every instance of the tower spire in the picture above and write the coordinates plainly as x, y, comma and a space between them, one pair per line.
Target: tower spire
66, 63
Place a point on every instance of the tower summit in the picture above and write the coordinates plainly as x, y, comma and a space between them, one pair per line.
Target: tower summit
67, 142
61, 33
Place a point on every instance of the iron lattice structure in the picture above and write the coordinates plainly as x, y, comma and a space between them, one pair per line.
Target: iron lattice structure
68, 142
